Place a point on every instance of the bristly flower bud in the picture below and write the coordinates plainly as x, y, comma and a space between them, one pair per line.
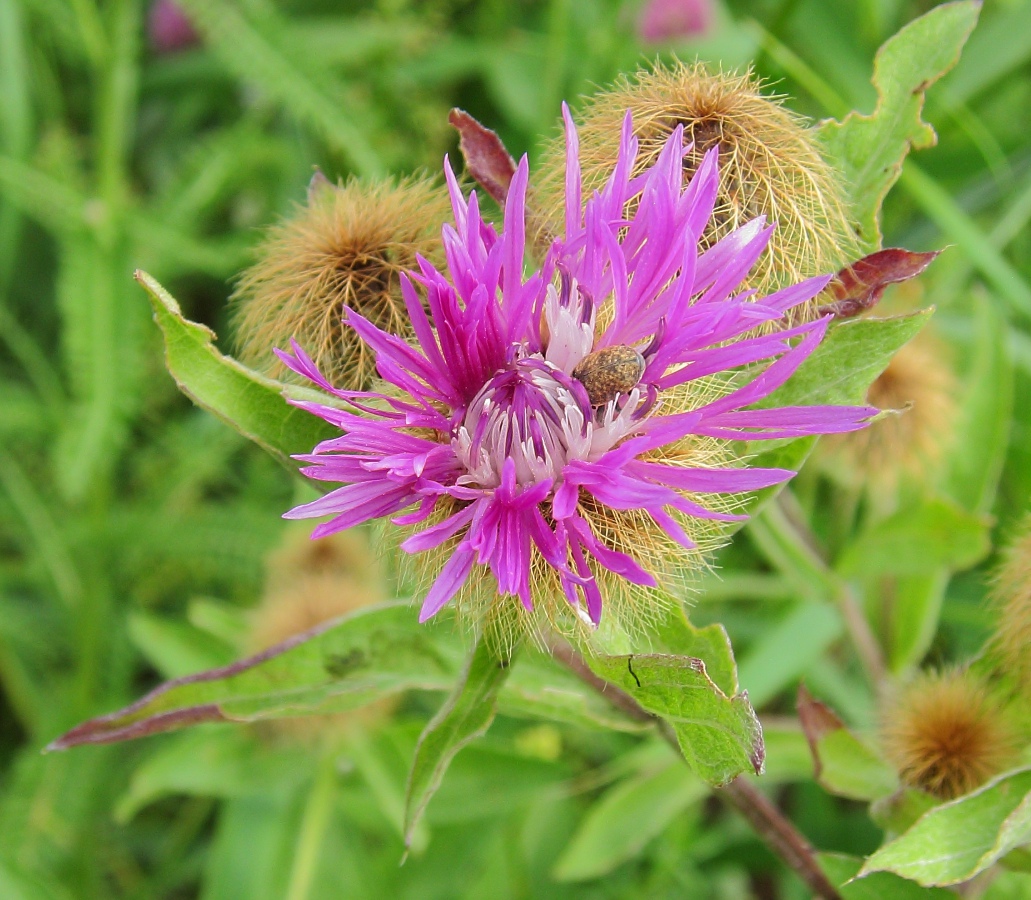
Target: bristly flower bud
346, 247
770, 165
947, 734
919, 383
1011, 594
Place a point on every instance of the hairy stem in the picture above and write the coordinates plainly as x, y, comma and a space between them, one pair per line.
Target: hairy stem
768, 822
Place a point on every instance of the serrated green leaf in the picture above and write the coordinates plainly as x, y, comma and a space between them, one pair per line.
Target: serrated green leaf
870, 149
371, 653
840, 869
625, 818
719, 735
245, 400
918, 541
951, 843
466, 715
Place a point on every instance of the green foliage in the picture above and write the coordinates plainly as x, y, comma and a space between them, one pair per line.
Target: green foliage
466, 715
249, 402
870, 149
953, 842
135, 529
718, 734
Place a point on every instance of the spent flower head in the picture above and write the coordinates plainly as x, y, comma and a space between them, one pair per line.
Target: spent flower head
563, 438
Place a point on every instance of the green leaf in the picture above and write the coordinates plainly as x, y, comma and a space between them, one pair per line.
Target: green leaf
466, 715
783, 653
841, 869
843, 764
711, 644
539, 687
176, 648
847, 361
870, 149
953, 842
719, 735
915, 613
625, 818
975, 466
918, 541
376, 651
245, 400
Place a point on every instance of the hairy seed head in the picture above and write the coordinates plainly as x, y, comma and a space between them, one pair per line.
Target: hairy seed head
770, 164
920, 385
348, 245
1011, 595
947, 734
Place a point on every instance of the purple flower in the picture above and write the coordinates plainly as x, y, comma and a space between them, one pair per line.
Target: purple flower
670, 20
568, 431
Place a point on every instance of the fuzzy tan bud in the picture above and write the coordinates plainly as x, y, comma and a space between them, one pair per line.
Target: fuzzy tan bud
348, 245
947, 734
919, 383
1011, 594
770, 164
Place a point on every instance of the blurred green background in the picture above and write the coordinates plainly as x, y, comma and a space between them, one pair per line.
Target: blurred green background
134, 528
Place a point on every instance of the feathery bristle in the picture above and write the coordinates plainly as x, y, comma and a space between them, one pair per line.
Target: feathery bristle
947, 734
1011, 596
770, 164
919, 383
348, 245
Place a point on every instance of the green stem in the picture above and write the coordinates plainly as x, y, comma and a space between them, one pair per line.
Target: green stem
314, 823
790, 546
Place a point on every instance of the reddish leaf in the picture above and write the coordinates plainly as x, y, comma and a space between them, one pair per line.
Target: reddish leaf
818, 720
485, 155
859, 286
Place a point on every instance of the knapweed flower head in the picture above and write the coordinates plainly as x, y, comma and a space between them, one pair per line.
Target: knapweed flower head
561, 441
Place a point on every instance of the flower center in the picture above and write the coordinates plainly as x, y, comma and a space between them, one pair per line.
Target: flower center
531, 413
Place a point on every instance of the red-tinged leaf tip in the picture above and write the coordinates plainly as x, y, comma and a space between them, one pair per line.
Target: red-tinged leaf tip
141, 719
818, 720
486, 158
859, 286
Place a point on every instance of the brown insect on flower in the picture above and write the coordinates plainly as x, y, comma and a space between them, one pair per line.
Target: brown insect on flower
609, 372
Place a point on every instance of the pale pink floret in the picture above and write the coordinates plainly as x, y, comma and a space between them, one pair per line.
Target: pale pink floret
512, 439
